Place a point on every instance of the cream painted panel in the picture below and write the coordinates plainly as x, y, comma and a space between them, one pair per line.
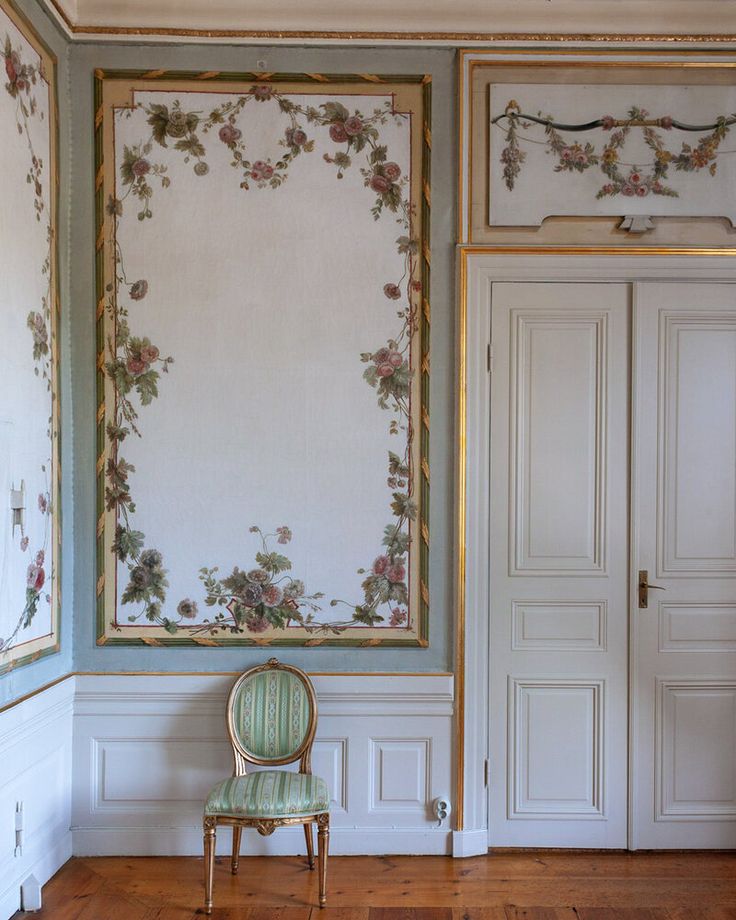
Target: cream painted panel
684, 715
558, 563
558, 384
698, 477
569, 626
555, 751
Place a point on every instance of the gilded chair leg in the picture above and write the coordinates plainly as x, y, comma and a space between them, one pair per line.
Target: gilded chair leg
209, 861
237, 831
323, 844
310, 843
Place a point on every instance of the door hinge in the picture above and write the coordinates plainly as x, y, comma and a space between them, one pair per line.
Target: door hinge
486, 771
489, 359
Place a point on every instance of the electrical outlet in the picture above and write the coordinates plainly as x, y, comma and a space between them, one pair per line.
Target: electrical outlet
441, 809
18, 851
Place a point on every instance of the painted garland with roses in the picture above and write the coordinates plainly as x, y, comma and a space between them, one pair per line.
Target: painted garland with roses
265, 595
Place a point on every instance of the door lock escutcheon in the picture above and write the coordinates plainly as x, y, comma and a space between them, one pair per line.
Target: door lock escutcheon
644, 589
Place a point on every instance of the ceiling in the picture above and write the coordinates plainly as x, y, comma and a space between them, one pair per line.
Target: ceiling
435, 21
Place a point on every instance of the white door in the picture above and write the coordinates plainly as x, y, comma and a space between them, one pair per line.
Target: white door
559, 564
684, 656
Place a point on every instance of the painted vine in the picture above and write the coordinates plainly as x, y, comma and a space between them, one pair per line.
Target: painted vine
21, 78
265, 595
627, 179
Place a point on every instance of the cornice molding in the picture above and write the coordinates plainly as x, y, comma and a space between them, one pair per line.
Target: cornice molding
460, 24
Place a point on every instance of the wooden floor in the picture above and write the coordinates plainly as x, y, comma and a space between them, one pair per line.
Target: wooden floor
534, 885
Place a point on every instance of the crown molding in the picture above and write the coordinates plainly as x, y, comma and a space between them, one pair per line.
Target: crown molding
462, 23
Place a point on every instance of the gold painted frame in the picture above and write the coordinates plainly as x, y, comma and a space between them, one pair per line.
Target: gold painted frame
50, 644
125, 82
266, 826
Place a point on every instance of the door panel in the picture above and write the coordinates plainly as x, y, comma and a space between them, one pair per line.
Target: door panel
684, 716
559, 564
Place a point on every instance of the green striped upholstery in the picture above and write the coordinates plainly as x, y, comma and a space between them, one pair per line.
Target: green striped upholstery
271, 714
269, 794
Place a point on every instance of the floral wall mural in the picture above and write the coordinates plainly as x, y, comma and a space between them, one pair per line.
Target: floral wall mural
29, 469
263, 269
601, 150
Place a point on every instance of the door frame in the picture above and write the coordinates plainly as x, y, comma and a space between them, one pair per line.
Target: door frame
478, 268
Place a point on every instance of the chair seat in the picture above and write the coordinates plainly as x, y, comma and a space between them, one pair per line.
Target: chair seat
269, 794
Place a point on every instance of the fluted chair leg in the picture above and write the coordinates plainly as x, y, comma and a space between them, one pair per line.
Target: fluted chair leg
209, 861
237, 831
323, 845
310, 843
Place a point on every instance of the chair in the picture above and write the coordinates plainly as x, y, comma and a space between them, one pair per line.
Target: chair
271, 721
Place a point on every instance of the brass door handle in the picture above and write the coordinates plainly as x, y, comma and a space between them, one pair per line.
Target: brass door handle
645, 587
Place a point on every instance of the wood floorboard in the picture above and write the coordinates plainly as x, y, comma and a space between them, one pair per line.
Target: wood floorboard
504, 886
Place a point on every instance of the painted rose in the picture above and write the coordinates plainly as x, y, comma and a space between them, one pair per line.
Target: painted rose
392, 291
201, 168
628, 190
256, 624
353, 125
18, 74
642, 191
136, 366
381, 356
607, 122
24, 544
295, 588
295, 137
261, 171
398, 617
284, 534
229, 134
40, 557
180, 123
36, 577
272, 596
139, 289
392, 171
262, 91
395, 359
43, 503
666, 122
381, 564
379, 184
385, 370
396, 573
338, 133
141, 167
140, 576
187, 609
252, 595
151, 558
257, 577
149, 354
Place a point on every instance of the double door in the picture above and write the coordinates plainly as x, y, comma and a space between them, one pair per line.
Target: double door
612, 565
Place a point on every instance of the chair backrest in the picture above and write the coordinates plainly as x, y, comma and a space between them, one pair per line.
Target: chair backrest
272, 716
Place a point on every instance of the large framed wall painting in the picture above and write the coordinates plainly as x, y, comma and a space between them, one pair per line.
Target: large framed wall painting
29, 419
263, 319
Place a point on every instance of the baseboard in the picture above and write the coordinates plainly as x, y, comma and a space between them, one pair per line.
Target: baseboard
43, 868
469, 843
181, 841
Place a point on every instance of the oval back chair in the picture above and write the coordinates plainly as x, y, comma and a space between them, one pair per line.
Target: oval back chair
271, 721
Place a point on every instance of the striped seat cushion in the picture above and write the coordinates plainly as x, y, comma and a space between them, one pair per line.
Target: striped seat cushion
269, 794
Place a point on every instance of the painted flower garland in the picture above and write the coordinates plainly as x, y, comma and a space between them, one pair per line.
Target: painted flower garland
633, 180
265, 596
21, 78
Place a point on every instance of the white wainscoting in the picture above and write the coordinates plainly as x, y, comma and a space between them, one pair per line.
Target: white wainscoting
35, 769
148, 747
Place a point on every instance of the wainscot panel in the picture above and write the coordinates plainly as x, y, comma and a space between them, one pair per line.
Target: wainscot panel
148, 747
35, 775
